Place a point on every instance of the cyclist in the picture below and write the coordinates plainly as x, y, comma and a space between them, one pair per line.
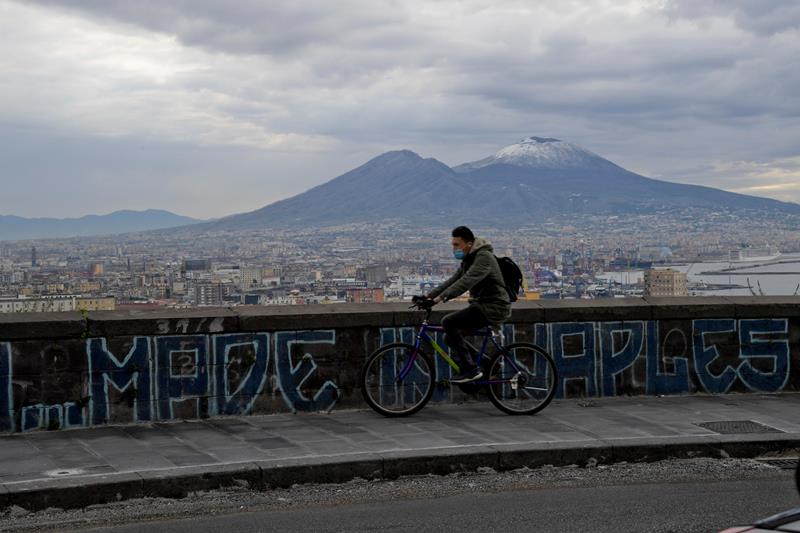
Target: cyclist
489, 305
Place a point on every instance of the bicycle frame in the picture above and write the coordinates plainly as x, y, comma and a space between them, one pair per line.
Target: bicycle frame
422, 335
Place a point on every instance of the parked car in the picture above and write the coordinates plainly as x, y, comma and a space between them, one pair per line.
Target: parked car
786, 521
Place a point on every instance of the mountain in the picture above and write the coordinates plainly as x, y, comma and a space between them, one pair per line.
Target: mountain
549, 177
19, 228
396, 184
542, 153
535, 178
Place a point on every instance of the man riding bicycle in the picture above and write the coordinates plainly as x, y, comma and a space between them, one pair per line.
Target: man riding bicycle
489, 304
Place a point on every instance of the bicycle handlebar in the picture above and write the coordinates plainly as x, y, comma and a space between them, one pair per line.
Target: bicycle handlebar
422, 302
424, 305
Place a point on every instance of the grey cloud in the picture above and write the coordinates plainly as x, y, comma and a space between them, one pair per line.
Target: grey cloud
348, 46
763, 17
275, 27
661, 98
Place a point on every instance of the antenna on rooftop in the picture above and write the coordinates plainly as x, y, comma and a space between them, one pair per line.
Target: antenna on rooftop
752, 292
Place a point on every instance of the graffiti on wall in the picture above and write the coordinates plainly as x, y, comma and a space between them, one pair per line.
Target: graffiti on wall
175, 376
653, 357
180, 374
703, 355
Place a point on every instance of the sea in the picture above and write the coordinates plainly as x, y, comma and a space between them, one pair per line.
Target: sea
768, 276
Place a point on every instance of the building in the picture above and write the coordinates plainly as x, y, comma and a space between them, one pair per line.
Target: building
96, 268
250, 277
208, 294
373, 274
666, 282
87, 287
87, 303
196, 264
364, 296
56, 304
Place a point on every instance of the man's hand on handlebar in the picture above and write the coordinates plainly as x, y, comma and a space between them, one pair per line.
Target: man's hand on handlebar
423, 302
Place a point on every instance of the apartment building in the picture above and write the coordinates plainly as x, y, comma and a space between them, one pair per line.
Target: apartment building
665, 282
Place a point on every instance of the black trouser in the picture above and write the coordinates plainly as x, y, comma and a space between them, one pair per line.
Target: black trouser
455, 325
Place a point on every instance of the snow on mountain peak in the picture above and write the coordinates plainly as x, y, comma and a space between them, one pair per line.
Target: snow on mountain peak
539, 152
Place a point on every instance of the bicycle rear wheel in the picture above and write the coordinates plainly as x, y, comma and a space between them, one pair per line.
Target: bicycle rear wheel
522, 379
386, 392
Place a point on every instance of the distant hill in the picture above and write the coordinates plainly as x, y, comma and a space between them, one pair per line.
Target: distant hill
13, 228
521, 183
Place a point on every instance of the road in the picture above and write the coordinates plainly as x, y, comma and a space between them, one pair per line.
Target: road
700, 495
675, 507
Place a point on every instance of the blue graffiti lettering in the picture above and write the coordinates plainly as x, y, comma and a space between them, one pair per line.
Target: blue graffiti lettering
617, 359
58, 416
390, 392
658, 381
390, 368
6, 392
181, 373
133, 370
32, 417
292, 376
239, 401
705, 355
444, 371
776, 351
577, 366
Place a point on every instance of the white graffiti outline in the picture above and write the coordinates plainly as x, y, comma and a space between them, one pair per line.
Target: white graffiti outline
40, 407
157, 385
774, 358
119, 364
195, 355
628, 341
585, 354
226, 359
713, 347
297, 385
664, 349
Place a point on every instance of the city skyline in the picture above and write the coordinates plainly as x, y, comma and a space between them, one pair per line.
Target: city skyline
224, 109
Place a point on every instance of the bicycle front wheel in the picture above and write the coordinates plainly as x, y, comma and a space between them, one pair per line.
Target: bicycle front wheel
391, 387
522, 379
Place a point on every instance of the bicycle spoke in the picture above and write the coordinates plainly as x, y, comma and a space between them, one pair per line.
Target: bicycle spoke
523, 379
391, 387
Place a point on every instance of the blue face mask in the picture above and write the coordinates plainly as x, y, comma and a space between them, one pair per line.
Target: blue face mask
459, 254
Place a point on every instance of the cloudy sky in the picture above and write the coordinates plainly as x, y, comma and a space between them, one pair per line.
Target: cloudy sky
208, 108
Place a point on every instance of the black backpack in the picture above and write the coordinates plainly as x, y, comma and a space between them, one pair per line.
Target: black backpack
512, 276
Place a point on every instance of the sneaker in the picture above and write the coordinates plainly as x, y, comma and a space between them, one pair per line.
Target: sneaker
467, 375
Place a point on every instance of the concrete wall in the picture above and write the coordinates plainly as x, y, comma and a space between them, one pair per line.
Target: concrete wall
70, 369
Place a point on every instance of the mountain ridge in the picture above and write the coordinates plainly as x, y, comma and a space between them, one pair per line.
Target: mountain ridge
17, 228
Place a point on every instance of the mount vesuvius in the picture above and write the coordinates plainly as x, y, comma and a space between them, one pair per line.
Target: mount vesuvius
522, 183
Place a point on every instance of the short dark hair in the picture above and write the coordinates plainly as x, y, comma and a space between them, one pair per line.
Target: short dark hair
464, 233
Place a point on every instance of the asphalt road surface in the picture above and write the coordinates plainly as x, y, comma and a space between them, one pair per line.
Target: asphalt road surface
670, 507
699, 495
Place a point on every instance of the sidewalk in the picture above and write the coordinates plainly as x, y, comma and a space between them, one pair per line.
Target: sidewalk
80, 467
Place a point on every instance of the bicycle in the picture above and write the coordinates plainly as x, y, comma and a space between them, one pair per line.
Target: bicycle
398, 379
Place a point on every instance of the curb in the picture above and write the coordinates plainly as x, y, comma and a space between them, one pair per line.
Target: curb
82, 491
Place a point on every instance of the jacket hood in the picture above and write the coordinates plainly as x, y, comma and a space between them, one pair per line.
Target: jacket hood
480, 244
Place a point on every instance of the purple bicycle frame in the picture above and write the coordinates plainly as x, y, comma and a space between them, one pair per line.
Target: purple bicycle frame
487, 335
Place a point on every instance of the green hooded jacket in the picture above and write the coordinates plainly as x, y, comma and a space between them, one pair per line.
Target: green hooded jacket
479, 274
